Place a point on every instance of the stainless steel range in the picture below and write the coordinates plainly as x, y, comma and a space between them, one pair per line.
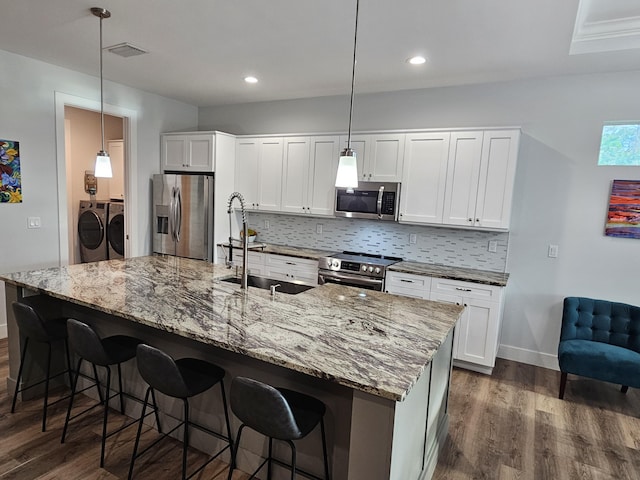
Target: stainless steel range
355, 269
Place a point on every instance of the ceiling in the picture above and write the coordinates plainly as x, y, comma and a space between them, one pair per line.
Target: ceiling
200, 50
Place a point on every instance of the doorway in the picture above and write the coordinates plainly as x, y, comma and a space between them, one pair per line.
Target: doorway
82, 141
78, 140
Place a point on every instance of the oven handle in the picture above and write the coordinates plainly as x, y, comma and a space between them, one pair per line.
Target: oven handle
379, 202
338, 277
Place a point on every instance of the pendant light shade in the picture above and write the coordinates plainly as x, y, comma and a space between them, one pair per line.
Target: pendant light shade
347, 176
103, 162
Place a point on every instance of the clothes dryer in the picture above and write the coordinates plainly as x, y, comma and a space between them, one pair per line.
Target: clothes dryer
115, 230
92, 221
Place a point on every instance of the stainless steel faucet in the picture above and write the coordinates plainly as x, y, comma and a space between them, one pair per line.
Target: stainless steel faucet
245, 238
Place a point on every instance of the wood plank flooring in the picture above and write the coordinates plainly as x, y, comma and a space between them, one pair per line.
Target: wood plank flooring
510, 425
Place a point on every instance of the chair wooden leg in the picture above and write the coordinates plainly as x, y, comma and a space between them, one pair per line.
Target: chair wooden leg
563, 384
624, 388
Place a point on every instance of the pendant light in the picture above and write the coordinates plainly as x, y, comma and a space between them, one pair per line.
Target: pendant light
347, 176
103, 162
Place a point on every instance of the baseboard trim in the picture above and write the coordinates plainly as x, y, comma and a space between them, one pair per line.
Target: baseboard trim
530, 357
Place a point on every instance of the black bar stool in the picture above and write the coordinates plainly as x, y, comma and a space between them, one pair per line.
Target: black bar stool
181, 379
276, 413
105, 352
34, 327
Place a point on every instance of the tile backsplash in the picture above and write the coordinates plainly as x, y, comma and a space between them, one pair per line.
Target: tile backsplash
447, 246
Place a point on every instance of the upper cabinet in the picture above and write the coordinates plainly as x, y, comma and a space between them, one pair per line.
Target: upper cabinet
188, 152
379, 156
258, 172
459, 178
424, 177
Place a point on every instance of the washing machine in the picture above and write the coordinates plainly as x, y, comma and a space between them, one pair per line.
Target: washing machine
92, 222
115, 230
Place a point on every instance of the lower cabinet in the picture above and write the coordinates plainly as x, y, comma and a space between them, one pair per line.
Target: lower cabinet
290, 269
475, 342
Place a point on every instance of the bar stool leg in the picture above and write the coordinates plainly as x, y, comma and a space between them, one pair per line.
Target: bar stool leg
324, 451
185, 439
73, 392
66, 349
137, 442
226, 418
269, 458
155, 410
120, 386
95, 375
23, 354
46, 389
105, 418
234, 452
293, 459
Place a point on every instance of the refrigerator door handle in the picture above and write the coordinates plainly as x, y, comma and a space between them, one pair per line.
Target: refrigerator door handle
172, 214
178, 214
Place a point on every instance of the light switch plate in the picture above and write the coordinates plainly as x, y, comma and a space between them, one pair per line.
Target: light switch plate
266, 225
413, 238
553, 251
33, 222
318, 228
493, 246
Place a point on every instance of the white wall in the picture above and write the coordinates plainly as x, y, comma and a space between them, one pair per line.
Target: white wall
561, 195
28, 115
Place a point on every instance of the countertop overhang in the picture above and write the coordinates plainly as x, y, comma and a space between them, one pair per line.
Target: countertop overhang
369, 341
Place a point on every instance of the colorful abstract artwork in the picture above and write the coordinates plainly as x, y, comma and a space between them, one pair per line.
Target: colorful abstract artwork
11, 187
623, 219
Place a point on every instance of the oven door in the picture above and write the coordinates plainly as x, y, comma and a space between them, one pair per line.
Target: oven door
350, 280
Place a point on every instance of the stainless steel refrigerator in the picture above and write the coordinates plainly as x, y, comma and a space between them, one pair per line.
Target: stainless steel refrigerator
183, 215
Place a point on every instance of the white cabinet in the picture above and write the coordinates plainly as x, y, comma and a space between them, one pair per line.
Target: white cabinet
480, 178
295, 174
325, 153
258, 172
188, 152
460, 178
289, 269
116, 183
475, 343
408, 285
379, 156
424, 178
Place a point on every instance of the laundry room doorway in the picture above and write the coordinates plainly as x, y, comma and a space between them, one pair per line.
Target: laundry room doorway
83, 200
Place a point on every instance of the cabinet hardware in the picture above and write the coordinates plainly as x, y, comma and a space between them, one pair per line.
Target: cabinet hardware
464, 289
406, 281
290, 263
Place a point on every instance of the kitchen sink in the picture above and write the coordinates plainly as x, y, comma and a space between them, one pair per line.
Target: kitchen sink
291, 288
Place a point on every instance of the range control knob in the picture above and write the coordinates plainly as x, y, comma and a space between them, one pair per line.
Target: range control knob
364, 268
370, 269
377, 270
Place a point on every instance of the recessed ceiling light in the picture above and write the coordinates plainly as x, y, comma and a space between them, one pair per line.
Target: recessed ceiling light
417, 60
250, 79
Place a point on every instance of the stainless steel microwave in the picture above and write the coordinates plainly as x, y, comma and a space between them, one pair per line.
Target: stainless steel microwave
376, 200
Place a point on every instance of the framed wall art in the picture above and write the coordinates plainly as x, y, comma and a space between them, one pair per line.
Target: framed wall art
11, 186
623, 218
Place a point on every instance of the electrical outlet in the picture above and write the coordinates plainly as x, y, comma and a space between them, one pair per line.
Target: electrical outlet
33, 222
319, 228
266, 225
553, 251
413, 238
493, 246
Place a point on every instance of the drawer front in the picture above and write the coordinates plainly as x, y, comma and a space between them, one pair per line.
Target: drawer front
441, 286
407, 284
283, 261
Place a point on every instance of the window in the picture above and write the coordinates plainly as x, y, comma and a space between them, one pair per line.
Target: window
620, 145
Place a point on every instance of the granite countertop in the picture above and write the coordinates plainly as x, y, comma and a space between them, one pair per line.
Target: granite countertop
300, 252
453, 273
432, 270
369, 341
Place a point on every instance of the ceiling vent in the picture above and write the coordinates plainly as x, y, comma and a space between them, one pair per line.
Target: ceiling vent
126, 50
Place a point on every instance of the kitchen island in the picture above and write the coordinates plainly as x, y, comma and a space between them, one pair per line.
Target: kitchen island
380, 362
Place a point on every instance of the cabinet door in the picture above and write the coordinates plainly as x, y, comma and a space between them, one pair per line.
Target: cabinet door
407, 285
497, 174
463, 172
116, 183
325, 152
295, 175
385, 158
270, 175
478, 331
174, 152
200, 152
424, 177
456, 300
359, 144
246, 174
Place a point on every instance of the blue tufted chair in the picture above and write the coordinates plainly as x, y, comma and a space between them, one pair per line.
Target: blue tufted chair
600, 340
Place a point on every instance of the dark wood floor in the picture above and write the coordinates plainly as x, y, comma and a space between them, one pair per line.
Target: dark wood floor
510, 425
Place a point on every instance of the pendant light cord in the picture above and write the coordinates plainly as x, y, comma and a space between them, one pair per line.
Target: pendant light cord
101, 89
353, 73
